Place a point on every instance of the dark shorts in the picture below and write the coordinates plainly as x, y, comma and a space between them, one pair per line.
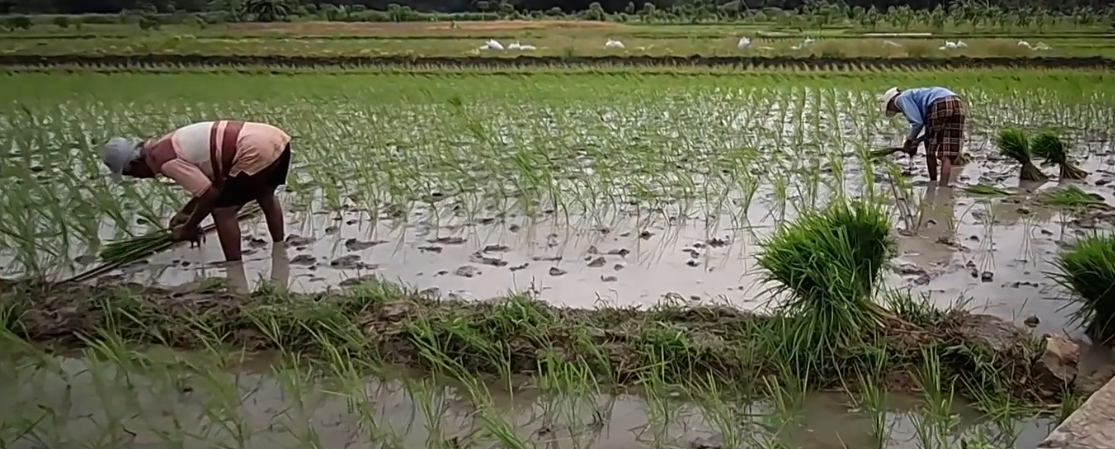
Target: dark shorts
944, 127
243, 188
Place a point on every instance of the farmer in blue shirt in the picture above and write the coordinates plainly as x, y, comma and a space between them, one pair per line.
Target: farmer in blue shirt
941, 114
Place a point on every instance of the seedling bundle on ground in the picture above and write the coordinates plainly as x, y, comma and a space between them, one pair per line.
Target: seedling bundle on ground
1018, 145
1088, 270
1049, 146
585, 154
1015, 144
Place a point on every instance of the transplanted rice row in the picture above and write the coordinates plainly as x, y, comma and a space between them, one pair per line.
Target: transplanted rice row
584, 150
781, 160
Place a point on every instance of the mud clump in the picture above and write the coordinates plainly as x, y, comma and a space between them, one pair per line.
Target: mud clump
466, 271
351, 262
303, 259
482, 259
1059, 362
357, 245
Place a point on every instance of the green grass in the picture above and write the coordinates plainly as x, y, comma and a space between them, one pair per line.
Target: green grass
1087, 271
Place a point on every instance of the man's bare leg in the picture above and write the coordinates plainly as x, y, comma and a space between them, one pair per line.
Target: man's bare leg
946, 171
931, 161
228, 231
273, 212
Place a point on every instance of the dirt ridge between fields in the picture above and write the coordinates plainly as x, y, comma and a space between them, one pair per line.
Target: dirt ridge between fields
521, 334
823, 62
512, 33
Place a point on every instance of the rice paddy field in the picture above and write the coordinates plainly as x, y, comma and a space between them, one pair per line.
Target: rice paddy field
622, 222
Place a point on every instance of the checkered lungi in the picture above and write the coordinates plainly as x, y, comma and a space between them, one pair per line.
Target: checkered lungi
944, 127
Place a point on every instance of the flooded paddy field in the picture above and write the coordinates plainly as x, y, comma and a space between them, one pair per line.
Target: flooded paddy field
591, 192
71, 402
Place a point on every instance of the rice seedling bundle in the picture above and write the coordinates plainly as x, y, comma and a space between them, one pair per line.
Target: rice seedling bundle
1087, 270
986, 189
1048, 145
1015, 144
828, 262
130, 250
1072, 197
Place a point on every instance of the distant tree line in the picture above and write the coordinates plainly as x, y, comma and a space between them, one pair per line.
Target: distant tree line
802, 13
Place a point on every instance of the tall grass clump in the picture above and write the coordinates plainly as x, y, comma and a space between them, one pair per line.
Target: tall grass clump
1049, 146
1087, 270
1015, 144
827, 264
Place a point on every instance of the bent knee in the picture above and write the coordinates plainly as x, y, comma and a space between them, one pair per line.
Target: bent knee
225, 213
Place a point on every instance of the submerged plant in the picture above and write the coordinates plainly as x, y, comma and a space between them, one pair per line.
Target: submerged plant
1072, 197
1049, 146
986, 189
1014, 143
1088, 271
828, 262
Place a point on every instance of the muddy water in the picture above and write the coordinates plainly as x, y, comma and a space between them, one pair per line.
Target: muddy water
75, 403
989, 254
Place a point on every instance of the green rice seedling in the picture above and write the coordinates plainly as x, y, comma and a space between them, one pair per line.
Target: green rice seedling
1071, 197
125, 251
1015, 144
828, 262
1087, 271
1070, 403
986, 190
879, 154
1048, 145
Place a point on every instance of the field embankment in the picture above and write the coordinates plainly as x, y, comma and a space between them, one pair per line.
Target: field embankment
977, 354
142, 62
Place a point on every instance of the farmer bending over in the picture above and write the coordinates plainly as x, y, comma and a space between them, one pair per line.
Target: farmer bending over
224, 164
941, 113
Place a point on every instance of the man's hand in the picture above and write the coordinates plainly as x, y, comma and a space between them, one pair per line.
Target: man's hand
910, 147
178, 219
183, 233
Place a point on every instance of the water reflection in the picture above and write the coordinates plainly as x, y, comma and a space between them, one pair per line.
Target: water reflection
237, 272
935, 228
280, 266
237, 277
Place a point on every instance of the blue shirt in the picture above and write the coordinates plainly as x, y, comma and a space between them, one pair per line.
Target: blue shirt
914, 104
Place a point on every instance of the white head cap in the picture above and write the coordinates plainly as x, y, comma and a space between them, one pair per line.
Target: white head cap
118, 153
885, 100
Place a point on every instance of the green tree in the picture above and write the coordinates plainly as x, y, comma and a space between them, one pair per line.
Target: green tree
17, 23
595, 12
268, 10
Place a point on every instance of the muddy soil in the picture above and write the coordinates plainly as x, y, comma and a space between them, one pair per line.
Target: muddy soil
149, 410
138, 62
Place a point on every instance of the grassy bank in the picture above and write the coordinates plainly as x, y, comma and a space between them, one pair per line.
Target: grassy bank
528, 64
379, 323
